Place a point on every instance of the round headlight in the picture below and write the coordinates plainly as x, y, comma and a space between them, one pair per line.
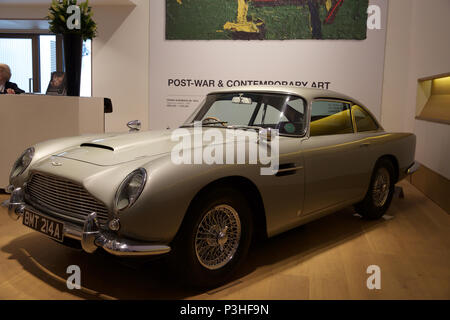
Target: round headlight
22, 163
130, 189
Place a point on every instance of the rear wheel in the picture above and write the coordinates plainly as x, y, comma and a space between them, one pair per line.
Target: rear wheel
214, 239
380, 193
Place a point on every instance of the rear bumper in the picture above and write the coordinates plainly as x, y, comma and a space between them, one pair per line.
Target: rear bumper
413, 168
90, 235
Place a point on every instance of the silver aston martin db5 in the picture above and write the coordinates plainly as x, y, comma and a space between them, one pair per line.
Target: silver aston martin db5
251, 162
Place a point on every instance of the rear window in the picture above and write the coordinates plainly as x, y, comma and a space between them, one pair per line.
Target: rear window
363, 121
330, 117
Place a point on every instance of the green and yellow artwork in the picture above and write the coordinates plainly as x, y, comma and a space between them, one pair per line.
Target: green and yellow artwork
266, 19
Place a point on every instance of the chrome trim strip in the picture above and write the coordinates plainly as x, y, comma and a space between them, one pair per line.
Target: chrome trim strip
91, 235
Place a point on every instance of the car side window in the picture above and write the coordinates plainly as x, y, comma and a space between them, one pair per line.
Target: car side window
268, 115
289, 119
330, 117
363, 120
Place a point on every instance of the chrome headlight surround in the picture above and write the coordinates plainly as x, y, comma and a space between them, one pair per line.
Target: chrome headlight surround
130, 189
22, 163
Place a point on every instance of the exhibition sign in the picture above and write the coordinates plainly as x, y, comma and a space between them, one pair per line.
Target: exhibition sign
182, 72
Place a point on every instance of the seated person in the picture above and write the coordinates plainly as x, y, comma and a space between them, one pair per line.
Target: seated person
7, 87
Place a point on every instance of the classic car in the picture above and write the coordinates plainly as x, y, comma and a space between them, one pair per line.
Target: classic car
128, 195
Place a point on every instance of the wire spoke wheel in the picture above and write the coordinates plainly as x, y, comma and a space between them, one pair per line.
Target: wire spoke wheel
217, 237
381, 187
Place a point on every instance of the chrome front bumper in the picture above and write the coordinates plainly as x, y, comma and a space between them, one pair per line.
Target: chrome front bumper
91, 235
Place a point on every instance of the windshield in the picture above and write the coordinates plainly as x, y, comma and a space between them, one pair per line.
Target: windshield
277, 111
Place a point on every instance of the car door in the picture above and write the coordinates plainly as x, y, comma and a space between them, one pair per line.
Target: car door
283, 192
335, 158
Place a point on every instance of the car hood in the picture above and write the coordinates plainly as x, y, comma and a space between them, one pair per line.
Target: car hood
114, 149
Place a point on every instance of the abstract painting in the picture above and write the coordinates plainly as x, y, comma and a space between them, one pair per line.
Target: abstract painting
266, 19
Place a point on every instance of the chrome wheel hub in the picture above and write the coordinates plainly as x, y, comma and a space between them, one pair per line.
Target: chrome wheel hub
218, 236
381, 187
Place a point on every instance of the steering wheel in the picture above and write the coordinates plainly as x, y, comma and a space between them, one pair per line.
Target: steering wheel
217, 120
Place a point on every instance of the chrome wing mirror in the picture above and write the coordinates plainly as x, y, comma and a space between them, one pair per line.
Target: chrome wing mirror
134, 125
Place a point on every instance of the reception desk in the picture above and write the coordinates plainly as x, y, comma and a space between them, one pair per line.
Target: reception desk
28, 119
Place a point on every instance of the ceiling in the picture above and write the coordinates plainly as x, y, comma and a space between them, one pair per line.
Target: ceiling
27, 15
22, 25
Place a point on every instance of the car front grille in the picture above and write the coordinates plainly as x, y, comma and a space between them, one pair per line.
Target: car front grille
64, 199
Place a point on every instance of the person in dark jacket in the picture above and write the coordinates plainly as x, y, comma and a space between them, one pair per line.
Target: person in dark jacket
7, 87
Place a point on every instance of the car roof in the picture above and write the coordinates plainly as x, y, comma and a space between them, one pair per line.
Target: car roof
307, 93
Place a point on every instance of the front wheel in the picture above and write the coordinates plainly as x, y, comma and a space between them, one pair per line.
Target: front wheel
380, 193
214, 239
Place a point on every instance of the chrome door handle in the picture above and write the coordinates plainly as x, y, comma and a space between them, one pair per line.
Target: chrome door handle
364, 145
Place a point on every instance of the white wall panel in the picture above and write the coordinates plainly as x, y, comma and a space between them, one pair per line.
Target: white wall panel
353, 67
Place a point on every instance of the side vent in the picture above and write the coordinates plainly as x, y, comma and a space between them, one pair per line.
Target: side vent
288, 169
98, 146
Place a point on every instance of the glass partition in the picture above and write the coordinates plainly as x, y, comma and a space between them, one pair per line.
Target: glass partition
18, 54
47, 59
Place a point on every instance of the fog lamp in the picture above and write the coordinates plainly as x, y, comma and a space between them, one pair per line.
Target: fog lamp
114, 225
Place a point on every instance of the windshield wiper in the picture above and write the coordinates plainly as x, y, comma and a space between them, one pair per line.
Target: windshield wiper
222, 123
245, 127
209, 121
205, 123
187, 125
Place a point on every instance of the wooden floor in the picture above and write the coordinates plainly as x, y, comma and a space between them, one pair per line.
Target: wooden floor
326, 259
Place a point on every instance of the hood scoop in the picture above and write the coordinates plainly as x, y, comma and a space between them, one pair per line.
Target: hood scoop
98, 146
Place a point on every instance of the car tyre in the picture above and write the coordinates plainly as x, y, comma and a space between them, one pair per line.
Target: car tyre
380, 193
218, 225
